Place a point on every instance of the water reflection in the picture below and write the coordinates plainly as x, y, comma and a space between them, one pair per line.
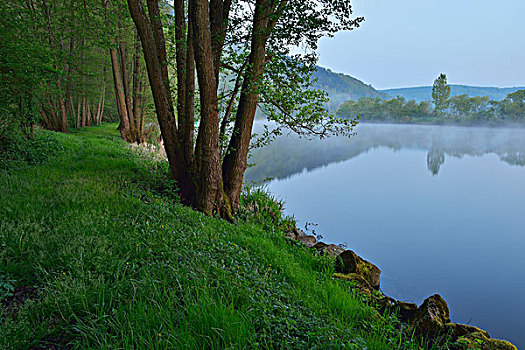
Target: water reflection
435, 159
290, 154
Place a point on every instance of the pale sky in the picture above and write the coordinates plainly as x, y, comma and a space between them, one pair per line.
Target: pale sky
409, 42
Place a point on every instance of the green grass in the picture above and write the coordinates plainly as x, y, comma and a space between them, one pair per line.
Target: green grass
102, 255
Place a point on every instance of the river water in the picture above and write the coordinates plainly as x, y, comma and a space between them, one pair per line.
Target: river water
438, 209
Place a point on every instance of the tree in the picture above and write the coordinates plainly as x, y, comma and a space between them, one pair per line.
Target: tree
440, 93
251, 42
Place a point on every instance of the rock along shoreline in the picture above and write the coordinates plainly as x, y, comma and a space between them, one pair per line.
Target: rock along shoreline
430, 320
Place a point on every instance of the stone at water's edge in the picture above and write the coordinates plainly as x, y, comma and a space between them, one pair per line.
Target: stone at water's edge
350, 262
457, 330
308, 241
430, 317
330, 250
360, 283
478, 341
404, 311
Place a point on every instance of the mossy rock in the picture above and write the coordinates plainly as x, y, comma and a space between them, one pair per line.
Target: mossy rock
478, 341
405, 311
457, 330
358, 282
431, 317
349, 262
329, 250
308, 241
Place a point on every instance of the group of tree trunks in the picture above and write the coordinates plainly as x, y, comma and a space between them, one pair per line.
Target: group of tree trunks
200, 32
208, 167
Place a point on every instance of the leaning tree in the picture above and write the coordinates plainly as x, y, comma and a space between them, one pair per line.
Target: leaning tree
245, 53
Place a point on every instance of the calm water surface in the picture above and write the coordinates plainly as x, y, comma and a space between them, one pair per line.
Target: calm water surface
438, 209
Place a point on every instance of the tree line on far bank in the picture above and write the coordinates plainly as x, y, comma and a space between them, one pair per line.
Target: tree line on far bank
442, 108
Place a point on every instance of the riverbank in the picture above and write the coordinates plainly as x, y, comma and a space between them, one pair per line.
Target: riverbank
96, 252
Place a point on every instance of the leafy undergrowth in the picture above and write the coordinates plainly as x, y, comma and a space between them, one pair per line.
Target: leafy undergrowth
96, 252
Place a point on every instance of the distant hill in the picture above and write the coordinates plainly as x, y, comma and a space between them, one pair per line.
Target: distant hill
424, 93
342, 87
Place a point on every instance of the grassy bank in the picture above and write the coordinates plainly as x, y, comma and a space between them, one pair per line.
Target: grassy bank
96, 252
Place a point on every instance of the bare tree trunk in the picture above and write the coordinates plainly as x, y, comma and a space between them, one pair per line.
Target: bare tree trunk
122, 53
78, 112
153, 43
63, 113
84, 111
88, 121
210, 196
100, 108
235, 161
119, 94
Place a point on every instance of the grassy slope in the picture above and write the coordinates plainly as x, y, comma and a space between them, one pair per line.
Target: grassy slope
102, 259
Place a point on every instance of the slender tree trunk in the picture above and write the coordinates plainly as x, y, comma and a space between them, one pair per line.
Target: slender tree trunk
78, 112
152, 43
235, 161
185, 81
119, 94
210, 195
84, 112
63, 114
122, 53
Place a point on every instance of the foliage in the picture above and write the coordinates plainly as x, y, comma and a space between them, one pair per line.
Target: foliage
259, 206
440, 93
424, 93
460, 109
376, 109
7, 287
17, 150
117, 264
341, 87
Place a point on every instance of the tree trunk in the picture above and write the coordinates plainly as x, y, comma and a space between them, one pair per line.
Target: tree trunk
161, 95
122, 52
78, 112
119, 94
63, 119
84, 112
235, 161
210, 195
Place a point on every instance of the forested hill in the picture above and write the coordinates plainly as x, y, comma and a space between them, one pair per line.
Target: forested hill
342, 87
424, 93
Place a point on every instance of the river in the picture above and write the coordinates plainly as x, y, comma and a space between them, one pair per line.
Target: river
438, 209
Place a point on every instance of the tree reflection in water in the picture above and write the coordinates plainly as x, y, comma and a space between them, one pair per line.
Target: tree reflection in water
289, 154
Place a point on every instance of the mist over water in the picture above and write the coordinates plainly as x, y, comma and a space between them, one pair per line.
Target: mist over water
439, 209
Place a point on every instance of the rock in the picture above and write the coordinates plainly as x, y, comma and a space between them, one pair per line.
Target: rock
330, 250
430, 317
478, 341
290, 235
405, 311
308, 241
298, 233
457, 330
294, 234
358, 281
350, 262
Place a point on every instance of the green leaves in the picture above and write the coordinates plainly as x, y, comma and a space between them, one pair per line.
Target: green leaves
441, 93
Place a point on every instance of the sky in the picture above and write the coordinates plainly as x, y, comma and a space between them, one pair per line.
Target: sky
406, 43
